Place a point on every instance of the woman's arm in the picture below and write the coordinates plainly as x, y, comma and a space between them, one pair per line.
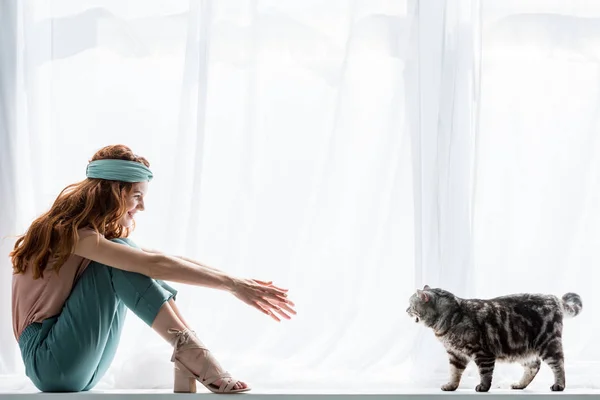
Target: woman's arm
154, 265
267, 299
183, 258
286, 307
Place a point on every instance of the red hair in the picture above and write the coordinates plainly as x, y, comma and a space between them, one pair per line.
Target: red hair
94, 203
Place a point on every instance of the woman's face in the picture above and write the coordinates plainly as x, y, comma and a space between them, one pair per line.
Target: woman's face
134, 202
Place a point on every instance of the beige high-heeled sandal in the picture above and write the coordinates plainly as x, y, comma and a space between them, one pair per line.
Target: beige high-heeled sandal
185, 380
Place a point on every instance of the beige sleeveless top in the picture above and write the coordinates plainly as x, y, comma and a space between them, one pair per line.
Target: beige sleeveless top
34, 300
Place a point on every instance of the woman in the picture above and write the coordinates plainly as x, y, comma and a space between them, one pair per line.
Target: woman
76, 273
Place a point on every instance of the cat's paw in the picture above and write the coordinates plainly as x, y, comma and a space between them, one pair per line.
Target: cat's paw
557, 387
481, 388
518, 386
449, 387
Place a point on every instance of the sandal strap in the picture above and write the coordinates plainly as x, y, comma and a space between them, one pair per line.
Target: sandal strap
224, 388
187, 339
184, 340
212, 379
227, 382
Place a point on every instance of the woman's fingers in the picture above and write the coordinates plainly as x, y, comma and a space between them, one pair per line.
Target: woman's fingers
278, 288
272, 290
259, 308
278, 299
275, 298
288, 309
270, 284
281, 308
263, 282
274, 317
285, 309
282, 313
269, 309
268, 299
286, 301
274, 293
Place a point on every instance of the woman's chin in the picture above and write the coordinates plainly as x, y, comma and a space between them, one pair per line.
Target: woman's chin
127, 223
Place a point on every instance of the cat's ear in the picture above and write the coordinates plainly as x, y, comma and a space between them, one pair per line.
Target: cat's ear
426, 287
422, 295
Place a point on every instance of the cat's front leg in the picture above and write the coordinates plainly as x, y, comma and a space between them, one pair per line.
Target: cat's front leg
458, 363
485, 363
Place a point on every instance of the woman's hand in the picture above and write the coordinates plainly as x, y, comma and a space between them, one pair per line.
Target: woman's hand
264, 296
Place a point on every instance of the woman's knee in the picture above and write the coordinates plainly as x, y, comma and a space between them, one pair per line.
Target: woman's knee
96, 266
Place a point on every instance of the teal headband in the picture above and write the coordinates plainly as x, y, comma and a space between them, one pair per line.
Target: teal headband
118, 170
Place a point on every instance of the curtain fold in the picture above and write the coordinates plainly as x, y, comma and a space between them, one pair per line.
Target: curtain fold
445, 82
8, 165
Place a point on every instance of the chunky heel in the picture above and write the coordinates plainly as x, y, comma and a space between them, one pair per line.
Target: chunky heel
212, 372
183, 382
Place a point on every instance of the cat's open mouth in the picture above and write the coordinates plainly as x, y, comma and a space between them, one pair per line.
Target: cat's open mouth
413, 314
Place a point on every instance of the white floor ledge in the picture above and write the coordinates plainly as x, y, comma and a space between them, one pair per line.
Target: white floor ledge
464, 394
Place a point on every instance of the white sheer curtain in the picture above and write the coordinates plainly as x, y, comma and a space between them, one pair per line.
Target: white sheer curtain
348, 150
277, 133
445, 86
8, 29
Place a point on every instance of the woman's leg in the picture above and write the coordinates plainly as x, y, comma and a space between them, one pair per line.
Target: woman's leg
76, 348
169, 318
178, 313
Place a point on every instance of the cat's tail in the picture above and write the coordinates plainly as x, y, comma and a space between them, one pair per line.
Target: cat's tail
571, 304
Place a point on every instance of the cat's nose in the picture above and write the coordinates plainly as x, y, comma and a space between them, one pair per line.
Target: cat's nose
408, 310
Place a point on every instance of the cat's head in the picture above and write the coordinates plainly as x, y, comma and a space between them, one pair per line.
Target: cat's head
428, 305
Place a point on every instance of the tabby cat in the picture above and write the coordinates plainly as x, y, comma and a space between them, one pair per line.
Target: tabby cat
525, 328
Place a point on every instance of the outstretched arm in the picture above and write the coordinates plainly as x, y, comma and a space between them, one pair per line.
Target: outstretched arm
266, 298
152, 251
212, 268
283, 311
